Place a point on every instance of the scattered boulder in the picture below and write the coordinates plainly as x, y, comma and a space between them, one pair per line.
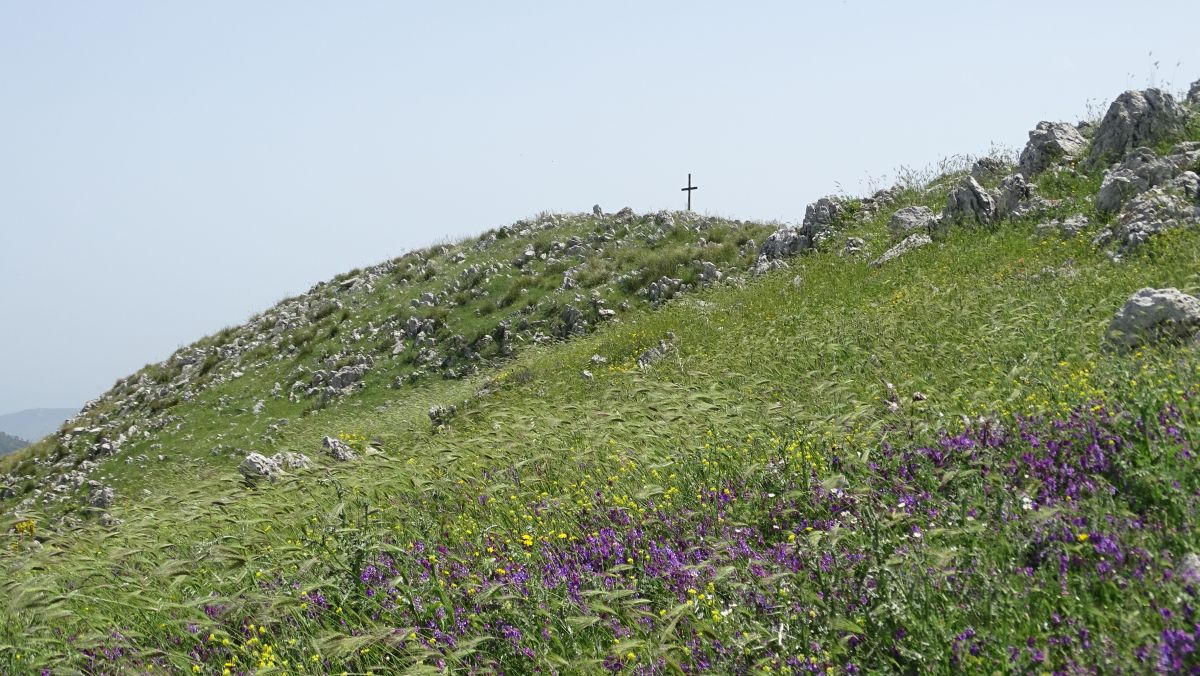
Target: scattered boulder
573, 321
596, 210
654, 354
101, 497
290, 460
854, 246
260, 406
257, 467
440, 415
1193, 96
969, 202
913, 241
339, 449
911, 220
1153, 316
1050, 143
821, 217
664, 288
709, 273
1136, 118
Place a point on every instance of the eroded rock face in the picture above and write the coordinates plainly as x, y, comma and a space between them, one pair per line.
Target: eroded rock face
1050, 143
101, 497
1193, 96
913, 241
1153, 316
1141, 170
1135, 118
969, 202
911, 220
1150, 213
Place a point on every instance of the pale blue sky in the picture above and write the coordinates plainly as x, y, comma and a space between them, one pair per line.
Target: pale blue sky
168, 168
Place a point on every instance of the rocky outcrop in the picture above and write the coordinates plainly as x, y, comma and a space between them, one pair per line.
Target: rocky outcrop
969, 203
1064, 227
911, 220
257, 467
1015, 197
1141, 170
1050, 143
1159, 209
913, 241
1134, 119
1154, 316
1193, 96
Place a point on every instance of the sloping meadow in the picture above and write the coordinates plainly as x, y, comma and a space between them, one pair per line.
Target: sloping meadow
930, 466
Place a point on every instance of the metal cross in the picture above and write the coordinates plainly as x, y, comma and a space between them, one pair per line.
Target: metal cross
689, 190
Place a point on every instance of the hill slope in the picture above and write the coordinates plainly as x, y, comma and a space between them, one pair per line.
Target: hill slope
34, 423
9, 443
523, 453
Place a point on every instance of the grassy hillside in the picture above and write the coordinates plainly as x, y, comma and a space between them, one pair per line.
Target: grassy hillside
930, 465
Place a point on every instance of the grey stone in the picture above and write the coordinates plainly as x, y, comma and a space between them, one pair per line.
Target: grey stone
101, 497
784, 242
910, 220
664, 288
709, 273
1135, 118
573, 322
1015, 196
1154, 211
1155, 315
596, 210
1189, 565
654, 354
969, 202
338, 449
854, 246
821, 217
1141, 170
440, 415
259, 406
913, 241
290, 460
988, 168
1193, 96
1050, 143
257, 467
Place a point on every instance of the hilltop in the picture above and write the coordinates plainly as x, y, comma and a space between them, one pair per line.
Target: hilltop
947, 426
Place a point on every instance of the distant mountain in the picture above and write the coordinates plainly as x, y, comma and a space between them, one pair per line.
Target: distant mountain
34, 423
9, 443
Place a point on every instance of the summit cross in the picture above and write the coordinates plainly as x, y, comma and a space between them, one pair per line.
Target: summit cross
689, 190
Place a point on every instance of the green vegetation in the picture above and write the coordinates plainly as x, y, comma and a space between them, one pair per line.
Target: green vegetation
932, 466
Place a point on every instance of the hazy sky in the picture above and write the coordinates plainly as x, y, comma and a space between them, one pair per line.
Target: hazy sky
169, 168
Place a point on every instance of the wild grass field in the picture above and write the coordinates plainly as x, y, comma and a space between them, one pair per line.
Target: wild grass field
933, 466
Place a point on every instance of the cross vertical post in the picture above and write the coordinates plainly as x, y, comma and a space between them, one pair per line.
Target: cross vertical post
689, 190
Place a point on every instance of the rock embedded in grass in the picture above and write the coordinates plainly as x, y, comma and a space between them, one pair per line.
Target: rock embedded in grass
338, 449
969, 202
909, 220
258, 467
913, 241
1152, 316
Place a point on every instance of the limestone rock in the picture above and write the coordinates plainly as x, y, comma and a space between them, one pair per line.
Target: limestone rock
969, 202
1150, 213
1193, 96
1141, 170
1155, 315
913, 241
1135, 118
1064, 227
988, 168
911, 220
709, 273
257, 467
338, 449
854, 246
1050, 143
101, 497
596, 210
1015, 196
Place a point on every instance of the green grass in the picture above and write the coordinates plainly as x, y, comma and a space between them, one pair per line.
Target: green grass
776, 392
